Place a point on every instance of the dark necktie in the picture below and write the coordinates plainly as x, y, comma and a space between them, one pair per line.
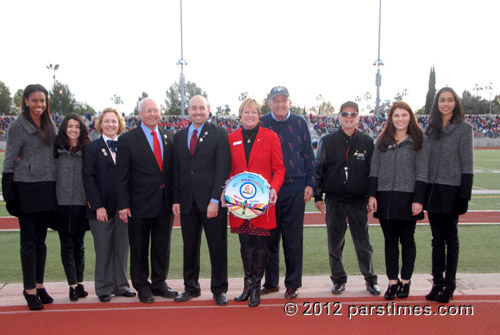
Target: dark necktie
157, 149
111, 145
194, 140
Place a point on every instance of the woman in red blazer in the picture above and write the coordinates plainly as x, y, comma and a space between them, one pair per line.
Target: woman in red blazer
255, 149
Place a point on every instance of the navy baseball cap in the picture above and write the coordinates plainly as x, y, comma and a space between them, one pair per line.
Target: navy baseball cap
277, 91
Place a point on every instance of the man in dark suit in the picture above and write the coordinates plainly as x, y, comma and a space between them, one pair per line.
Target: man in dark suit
144, 190
202, 165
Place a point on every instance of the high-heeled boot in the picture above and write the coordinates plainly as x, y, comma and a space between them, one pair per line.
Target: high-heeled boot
44, 297
404, 290
437, 287
259, 260
446, 294
81, 291
390, 294
33, 301
246, 257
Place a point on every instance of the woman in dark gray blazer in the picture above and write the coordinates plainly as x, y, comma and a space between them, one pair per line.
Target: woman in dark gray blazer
28, 186
396, 187
71, 221
110, 233
450, 187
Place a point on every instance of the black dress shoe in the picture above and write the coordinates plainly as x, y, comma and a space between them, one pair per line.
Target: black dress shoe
220, 299
146, 297
269, 289
373, 289
186, 296
128, 294
33, 301
291, 293
104, 298
44, 297
338, 288
165, 292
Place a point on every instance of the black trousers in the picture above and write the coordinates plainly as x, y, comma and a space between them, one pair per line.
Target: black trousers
396, 231
289, 225
73, 255
255, 242
445, 247
33, 228
140, 232
216, 235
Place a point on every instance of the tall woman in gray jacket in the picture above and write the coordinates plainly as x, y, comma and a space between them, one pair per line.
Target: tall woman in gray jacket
449, 188
396, 187
71, 219
28, 185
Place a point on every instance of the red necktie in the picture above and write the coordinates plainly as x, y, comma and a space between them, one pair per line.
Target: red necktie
157, 149
194, 140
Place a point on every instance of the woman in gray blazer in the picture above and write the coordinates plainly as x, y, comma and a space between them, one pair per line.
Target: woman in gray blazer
449, 189
28, 186
71, 221
396, 187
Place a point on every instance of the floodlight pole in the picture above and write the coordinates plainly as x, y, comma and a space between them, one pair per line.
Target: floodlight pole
182, 62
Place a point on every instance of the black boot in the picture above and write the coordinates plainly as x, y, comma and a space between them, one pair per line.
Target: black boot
404, 290
447, 293
437, 287
81, 291
246, 257
44, 297
390, 294
259, 260
33, 301
73, 294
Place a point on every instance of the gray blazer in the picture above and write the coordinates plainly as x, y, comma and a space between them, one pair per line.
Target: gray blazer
69, 181
36, 160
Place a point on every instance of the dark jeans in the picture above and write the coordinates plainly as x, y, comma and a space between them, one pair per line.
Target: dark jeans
216, 235
73, 256
396, 231
33, 228
140, 231
445, 247
356, 214
289, 225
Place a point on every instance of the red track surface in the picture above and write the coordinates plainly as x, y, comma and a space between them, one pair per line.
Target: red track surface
202, 317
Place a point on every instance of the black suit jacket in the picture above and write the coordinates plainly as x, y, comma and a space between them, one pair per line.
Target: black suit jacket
200, 177
99, 178
140, 184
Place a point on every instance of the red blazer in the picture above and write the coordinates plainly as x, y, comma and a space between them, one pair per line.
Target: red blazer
266, 159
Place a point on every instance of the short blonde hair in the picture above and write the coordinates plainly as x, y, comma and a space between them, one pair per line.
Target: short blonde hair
249, 103
121, 121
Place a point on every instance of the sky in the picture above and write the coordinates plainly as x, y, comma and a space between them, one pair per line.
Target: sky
321, 50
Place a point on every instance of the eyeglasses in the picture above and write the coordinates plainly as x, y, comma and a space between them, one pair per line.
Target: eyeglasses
349, 114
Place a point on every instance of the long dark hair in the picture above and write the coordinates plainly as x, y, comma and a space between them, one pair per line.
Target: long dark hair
435, 118
387, 137
62, 139
46, 129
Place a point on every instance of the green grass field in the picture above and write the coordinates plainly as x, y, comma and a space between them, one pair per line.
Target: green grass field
479, 247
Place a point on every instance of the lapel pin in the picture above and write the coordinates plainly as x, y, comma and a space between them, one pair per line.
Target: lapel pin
104, 152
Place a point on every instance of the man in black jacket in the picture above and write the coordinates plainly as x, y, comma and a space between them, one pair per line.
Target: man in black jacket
342, 169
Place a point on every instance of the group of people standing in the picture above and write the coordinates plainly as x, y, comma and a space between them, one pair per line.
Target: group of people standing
127, 190
405, 172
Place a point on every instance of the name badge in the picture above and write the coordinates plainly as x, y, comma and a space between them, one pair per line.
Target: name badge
237, 142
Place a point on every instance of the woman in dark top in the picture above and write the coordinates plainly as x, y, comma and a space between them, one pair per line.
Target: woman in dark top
255, 149
397, 182
71, 220
28, 186
450, 187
